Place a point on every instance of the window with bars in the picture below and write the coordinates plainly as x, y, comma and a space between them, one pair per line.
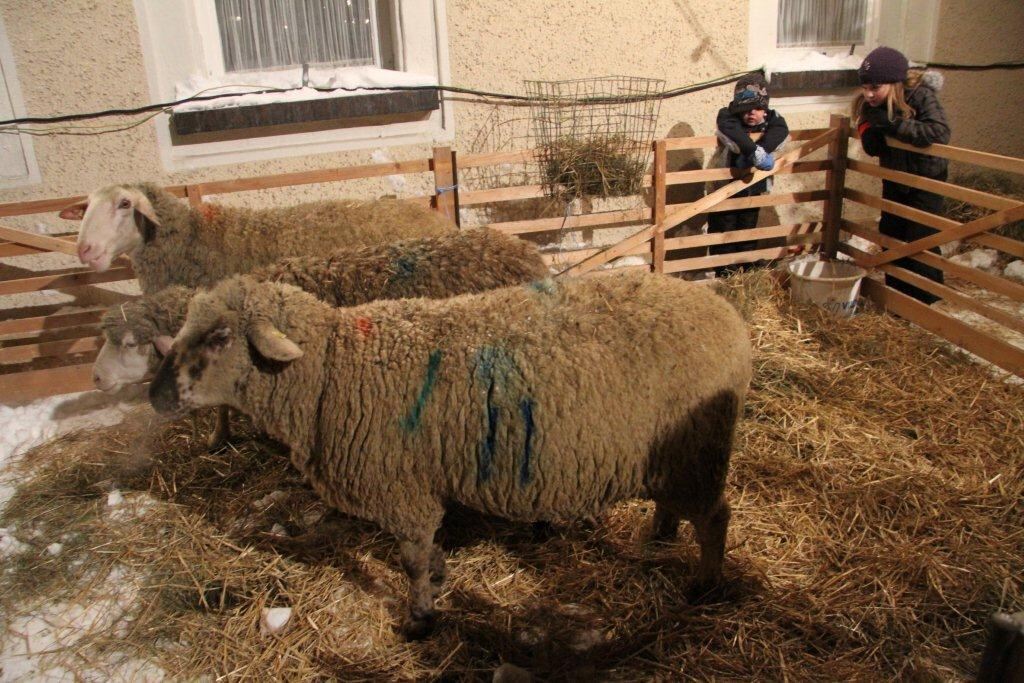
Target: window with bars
822, 23
274, 34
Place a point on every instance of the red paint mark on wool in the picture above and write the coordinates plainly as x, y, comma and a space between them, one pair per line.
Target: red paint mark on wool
209, 212
364, 325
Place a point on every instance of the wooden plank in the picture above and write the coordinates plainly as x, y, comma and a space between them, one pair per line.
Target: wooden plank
949, 294
983, 224
770, 200
56, 204
973, 275
496, 158
22, 387
712, 140
77, 279
44, 242
195, 196
964, 194
26, 352
445, 189
577, 255
923, 217
984, 199
687, 211
970, 156
573, 222
709, 262
328, 175
56, 321
658, 208
12, 249
978, 342
501, 194
797, 233
835, 180
711, 174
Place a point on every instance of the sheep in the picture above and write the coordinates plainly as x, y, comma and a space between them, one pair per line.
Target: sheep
170, 243
467, 261
548, 401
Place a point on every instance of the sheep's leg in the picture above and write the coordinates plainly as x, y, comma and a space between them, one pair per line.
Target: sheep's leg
221, 429
711, 528
418, 560
665, 526
438, 570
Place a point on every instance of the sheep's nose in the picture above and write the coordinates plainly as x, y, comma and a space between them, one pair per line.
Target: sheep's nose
84, 250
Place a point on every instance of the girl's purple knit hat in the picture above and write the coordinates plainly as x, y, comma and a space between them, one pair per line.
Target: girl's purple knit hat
883, 65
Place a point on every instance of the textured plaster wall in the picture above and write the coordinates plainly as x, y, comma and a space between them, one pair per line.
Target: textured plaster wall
76, 55
983, 106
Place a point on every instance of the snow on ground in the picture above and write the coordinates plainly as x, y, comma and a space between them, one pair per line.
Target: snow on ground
353, 79
59, 625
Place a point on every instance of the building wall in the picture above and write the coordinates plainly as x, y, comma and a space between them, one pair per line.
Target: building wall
982, 105
81, 55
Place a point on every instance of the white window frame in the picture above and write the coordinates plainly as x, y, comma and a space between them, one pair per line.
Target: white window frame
181, 38
9, 79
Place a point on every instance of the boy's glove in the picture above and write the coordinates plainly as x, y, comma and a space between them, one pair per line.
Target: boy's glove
763, 160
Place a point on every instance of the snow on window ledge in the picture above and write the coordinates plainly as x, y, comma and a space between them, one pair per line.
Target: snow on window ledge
352, 81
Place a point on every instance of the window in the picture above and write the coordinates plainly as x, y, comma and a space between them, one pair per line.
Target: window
817, 45
266, 34
189, 45
819, 23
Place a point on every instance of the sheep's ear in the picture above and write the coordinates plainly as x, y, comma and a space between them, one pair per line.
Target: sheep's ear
273, 344
75, 212
145, 218
163, 344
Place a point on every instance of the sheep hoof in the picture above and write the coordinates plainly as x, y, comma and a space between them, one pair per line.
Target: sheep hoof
216, 442
418, 628
702, 591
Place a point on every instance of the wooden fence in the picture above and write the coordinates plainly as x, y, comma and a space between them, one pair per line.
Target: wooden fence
70, 339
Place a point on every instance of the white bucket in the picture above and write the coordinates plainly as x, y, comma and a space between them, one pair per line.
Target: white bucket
833, 285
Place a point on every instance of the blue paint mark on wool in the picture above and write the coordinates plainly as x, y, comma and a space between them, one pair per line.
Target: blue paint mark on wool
494, 366
545, 286
412, 421
405, 265
526, 408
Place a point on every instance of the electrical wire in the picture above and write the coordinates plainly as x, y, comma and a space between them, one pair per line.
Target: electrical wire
260, 90
975, 67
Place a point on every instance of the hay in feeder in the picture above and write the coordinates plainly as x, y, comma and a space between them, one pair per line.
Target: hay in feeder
876, 488
599, 166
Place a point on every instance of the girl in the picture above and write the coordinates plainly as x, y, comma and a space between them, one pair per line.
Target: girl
903, 104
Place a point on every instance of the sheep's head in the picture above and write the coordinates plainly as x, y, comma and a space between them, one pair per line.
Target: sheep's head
225, 336
132, 348
115, 220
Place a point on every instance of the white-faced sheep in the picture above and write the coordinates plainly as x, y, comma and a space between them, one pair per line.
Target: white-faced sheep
536, 402
171, 243
463, 262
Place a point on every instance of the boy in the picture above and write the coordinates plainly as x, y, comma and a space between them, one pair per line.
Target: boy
747, 113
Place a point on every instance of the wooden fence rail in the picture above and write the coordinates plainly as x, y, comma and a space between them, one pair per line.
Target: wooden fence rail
31, 334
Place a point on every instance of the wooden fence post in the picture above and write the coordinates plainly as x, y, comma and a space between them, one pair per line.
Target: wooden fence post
195, 196
445, 187
658, 210
835, 180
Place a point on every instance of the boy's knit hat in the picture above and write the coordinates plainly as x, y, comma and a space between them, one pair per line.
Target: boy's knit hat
751, 93
883, 65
